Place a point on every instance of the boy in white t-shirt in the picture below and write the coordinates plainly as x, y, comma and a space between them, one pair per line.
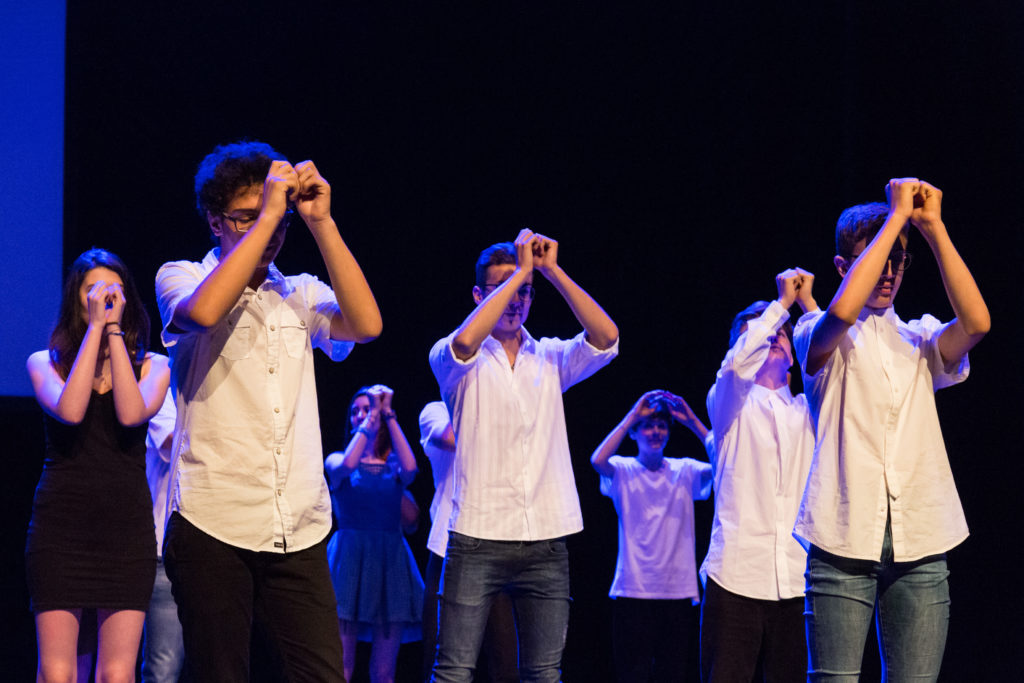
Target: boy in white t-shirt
655, 585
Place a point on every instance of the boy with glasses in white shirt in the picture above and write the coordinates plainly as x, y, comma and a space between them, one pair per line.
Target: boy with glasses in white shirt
880, 508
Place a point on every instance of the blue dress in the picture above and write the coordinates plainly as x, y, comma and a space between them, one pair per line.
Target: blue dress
375, 576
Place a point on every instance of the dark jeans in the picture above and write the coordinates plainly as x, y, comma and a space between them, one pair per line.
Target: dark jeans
651, 639
736, 630
499, 656
221, 589
534, 573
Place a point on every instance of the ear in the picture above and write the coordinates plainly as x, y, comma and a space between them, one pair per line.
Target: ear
216, 223
840, 264
478, 294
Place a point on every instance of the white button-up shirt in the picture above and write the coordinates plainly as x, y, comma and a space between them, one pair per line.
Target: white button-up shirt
434, 422
247, 463
512, 474
879, 447
763, 445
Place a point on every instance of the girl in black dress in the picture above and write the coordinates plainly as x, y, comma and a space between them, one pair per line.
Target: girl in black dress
91, 544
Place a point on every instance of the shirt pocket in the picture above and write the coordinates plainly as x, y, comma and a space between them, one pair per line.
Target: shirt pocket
238, 339
294, 334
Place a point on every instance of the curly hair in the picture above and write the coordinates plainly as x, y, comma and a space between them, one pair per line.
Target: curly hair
229, 168
69, 331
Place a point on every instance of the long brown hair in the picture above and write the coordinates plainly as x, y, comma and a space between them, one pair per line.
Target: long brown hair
69, 331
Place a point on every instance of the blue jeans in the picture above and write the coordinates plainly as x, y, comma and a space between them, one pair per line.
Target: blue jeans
910, 601
163, 650
534, 573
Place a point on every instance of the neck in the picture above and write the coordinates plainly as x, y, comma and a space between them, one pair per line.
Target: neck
510, 341
258, 277
771, 378
650, 459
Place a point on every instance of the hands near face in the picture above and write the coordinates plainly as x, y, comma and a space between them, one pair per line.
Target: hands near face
795, 285
677, 407
534, 250
106, 303
302, 185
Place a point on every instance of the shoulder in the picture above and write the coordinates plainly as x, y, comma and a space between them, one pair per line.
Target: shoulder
155, 362
39, 361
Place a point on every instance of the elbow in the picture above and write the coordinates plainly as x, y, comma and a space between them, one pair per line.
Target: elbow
845, 314
462, 348
980, 327
369, 332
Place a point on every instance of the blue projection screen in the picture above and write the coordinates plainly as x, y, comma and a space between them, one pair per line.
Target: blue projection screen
31, 194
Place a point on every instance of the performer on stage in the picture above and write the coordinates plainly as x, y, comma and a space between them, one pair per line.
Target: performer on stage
512, 472
376, 581
251, 509
881, 509
763, 443
499, 651
90, 540
654, 592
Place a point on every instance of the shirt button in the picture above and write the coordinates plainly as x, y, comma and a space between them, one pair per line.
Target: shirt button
272, 328
271, 371
280, 492
302, 323
260, 297
277, 410
278, 451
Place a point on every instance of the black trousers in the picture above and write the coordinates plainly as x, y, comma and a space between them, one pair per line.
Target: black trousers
499, 654
221, 590
651, 639
736, 632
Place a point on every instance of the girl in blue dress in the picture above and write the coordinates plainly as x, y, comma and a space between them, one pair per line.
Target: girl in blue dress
376, 581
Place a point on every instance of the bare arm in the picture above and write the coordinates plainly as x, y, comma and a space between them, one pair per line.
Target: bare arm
359, 317
67, 400
601, 330
406, 458
479, 324
135, 400
641, 409
860, 279
340, 464
220, 289
683, 414
972, 317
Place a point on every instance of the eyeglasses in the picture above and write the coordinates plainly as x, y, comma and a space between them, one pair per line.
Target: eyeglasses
900, 259
525, 293
244, 221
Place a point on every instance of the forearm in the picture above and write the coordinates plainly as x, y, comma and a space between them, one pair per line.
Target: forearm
964, 296
73, 399
360, 318
863, 275
340, 464
479, 324
406, 458
608, 447
129, 404
601, 330
219, 291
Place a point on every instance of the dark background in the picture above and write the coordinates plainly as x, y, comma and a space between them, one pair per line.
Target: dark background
681, 154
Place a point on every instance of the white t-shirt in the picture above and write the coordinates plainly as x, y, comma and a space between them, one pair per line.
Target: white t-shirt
656, 540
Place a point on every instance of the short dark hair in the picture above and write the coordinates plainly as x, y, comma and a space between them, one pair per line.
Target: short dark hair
859, 222
228, 169
752, 311
494, 255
